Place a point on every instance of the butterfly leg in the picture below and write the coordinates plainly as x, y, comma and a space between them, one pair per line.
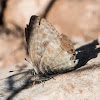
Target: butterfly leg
33, 72
48, 76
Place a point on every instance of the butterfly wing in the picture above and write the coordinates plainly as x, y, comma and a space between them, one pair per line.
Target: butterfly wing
59, 55
38, 34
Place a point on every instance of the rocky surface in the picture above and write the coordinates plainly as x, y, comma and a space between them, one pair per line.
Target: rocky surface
12, 48
71, 17
74, 17
82, 83
18, 12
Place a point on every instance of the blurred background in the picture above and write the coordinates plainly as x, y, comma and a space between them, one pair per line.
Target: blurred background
78, 19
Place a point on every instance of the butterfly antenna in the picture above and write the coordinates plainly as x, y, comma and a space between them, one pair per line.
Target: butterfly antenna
13, 71
28, 62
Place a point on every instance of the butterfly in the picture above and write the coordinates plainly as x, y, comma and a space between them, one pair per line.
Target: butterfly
49, 50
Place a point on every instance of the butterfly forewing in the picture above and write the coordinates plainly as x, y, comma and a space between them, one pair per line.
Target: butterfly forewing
38, 34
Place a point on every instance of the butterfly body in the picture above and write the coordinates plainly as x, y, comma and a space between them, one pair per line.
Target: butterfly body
49, 50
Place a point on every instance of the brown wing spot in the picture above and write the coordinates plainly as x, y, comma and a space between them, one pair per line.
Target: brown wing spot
72, 50
50, 51
72, 58
45, 43
67, 45
44, 35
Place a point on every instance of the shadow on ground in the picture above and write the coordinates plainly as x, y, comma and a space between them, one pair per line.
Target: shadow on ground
86, 53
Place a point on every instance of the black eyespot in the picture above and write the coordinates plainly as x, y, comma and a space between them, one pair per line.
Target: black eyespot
74, 61
74, 54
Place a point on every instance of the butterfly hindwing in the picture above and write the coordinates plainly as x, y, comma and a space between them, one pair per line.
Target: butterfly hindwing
58, 55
